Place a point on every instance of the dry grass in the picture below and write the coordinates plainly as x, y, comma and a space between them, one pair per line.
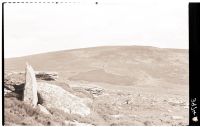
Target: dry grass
19, 113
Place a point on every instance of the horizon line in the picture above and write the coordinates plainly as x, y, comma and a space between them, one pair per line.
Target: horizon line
91, 47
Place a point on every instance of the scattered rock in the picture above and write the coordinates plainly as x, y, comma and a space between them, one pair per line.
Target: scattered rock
9, 87
30, 89
6, 91
56, 97
169, 110
43, 109
148, 123
122, 116
177, 117
18, 78
176, 102
95, 90
75, 123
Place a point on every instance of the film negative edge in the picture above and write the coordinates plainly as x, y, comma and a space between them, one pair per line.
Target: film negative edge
40, 2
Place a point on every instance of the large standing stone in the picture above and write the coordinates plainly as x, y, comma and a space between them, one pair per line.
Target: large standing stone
30, 89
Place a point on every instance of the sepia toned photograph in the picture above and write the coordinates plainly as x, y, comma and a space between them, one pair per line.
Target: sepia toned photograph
96, 63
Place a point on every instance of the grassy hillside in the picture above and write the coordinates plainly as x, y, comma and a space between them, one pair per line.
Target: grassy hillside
126, 65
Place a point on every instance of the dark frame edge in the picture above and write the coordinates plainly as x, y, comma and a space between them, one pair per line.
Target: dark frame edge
194, 68
3, 3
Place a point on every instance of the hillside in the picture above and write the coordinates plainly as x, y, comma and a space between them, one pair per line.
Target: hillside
141, 85
128, 65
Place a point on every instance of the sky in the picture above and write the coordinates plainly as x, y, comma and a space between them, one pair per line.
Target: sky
37, 28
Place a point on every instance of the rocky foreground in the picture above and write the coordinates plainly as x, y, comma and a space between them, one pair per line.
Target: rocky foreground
100, 86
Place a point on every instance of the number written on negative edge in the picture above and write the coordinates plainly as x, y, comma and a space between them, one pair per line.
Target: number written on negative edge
193, 106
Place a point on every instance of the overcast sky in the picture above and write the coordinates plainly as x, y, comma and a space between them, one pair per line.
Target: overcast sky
37, 28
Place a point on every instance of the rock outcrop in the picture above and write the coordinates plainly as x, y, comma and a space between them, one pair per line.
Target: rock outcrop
30, 89
56, 97
45, 95
49, 76
42, 75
